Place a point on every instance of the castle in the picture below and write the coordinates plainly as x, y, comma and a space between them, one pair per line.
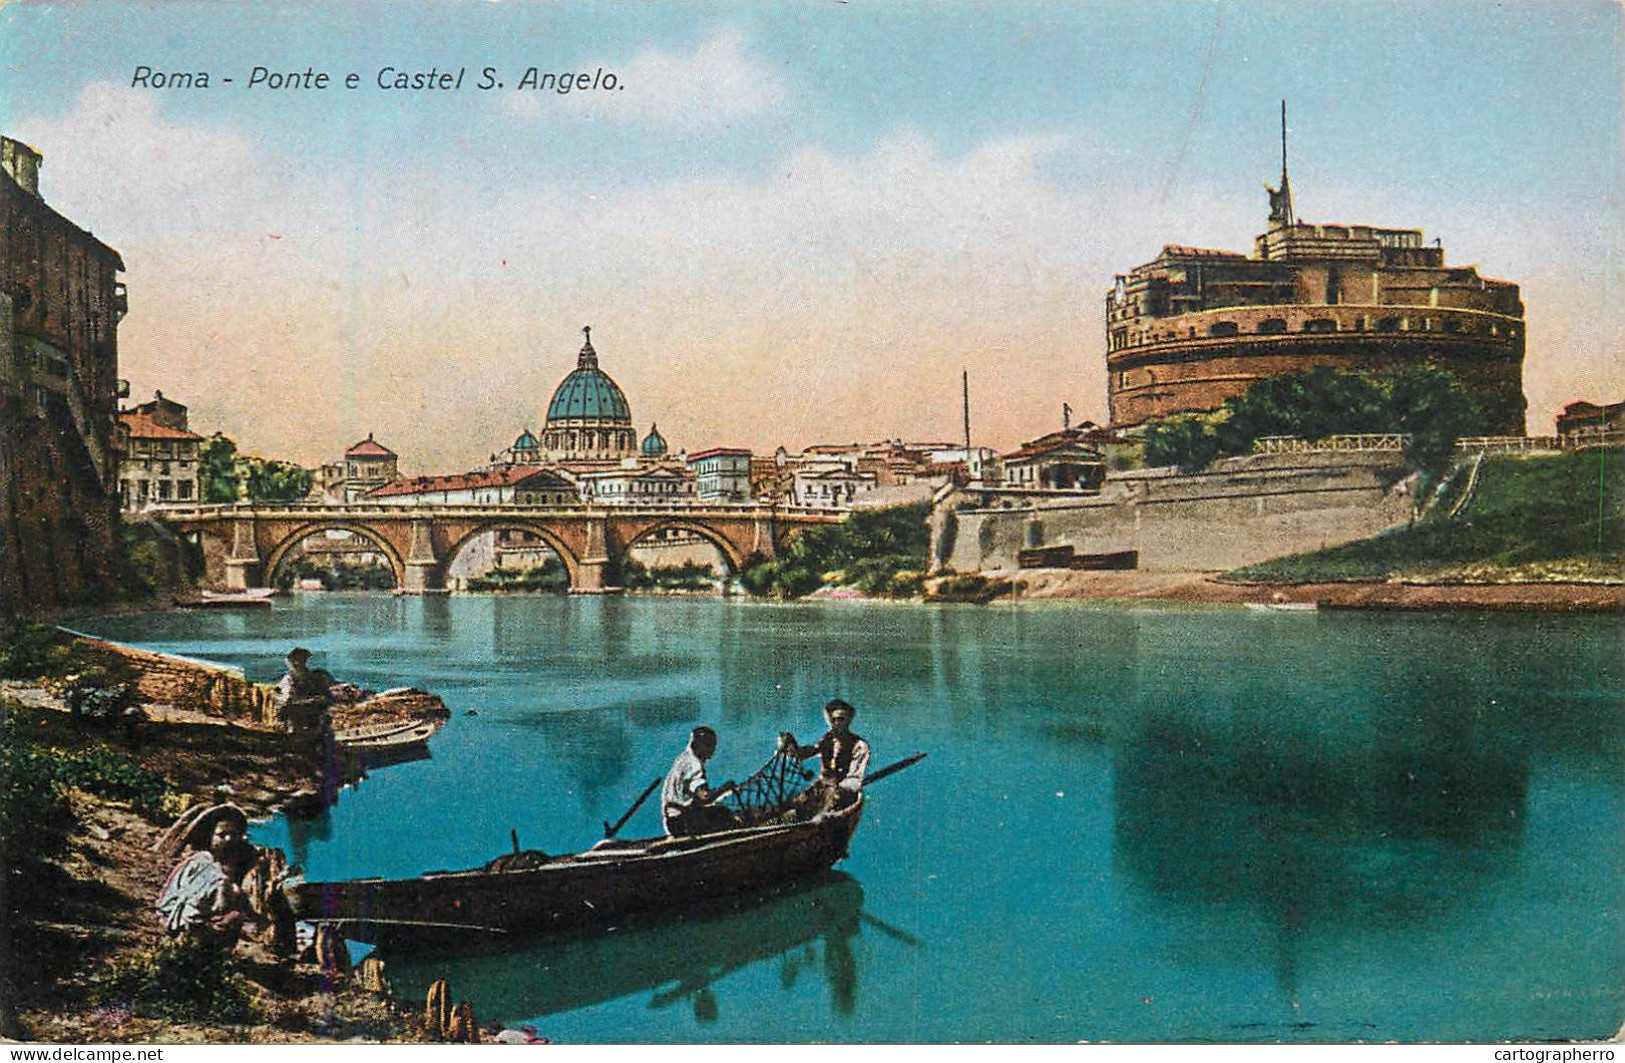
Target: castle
1196, 326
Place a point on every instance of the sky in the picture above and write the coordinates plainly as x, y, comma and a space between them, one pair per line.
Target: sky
787, 223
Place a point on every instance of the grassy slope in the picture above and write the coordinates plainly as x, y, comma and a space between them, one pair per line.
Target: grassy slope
1530, 519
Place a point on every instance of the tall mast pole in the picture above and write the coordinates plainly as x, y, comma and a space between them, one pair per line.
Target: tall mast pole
1286, 187
966, 380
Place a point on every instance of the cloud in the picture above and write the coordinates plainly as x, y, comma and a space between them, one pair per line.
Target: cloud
717, 84
115, 165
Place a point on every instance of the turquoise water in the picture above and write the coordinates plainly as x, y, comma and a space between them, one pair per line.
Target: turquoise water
1134, 823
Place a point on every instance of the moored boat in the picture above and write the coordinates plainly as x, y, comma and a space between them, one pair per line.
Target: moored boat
531, 892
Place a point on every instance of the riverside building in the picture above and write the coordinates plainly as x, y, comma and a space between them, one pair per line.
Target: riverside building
1196, 326
61, 301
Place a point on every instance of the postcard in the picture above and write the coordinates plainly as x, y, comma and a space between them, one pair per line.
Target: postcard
832, 522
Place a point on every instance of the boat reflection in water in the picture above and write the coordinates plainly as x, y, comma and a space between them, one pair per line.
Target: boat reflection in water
809, 928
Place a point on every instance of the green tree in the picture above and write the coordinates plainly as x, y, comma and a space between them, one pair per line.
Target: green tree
1314, 404
217, 468
276, 481
1429, 404
1187, 441
1425, 402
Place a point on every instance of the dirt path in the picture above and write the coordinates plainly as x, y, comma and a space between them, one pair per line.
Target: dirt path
1042, 584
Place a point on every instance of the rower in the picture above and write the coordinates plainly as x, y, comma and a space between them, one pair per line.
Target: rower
686, 800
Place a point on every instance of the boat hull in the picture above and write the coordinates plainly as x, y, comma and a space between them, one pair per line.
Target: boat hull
591, 889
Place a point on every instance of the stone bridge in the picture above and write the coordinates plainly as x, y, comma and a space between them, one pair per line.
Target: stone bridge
244, 544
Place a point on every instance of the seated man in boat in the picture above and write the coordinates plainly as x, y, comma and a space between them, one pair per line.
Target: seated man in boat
304, 693
686, 800
843, 758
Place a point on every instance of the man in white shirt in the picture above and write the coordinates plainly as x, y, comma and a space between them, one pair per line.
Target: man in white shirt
686, 799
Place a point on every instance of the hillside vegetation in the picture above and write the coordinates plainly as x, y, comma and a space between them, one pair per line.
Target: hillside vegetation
1550, 518
878, 552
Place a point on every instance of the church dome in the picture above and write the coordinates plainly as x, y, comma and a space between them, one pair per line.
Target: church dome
654, 444
589, 418
588, 394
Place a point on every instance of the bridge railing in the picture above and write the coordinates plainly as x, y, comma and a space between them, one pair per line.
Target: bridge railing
1585, 438
361, 512
1505, 444
1363, 441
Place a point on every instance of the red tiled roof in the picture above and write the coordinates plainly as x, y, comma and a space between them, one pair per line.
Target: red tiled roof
142, 426
367, 448
512, 476
1071, 437
718, 452
1181, 251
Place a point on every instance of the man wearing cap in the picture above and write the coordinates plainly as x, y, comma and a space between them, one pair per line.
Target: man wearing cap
843, 758
303, 698
686, 799
303, 687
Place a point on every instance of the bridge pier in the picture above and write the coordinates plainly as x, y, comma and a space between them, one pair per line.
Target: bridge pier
423, 574
765, 531
243, 561
595, 570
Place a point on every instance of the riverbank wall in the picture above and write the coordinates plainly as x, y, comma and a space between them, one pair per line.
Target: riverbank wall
164, 679
1239, 512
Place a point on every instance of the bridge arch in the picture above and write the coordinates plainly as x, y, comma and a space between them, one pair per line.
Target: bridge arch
279, 553
572, 564
731, 554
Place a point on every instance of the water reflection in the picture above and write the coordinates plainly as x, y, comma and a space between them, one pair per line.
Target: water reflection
809, 930
1277, 831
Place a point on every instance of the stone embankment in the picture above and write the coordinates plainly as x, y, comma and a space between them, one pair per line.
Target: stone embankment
167, 680
1242, 511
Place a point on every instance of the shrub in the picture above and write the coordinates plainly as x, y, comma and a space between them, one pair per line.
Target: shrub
867, 551
34, 813
108, 774
972, 587
176, 981
32, 651
101, 689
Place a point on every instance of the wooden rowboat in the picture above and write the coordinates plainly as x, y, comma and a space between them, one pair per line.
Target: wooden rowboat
383, 735
532, 892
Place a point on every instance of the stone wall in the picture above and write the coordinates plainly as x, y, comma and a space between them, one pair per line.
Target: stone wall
196, 685
1244, 511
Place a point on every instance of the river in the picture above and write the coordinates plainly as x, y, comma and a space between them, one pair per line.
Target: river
1134, 823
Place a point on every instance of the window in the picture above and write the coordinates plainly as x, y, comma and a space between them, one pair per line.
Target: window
1272, 325
183, 490
1388, 324
1320, 324
1222, 328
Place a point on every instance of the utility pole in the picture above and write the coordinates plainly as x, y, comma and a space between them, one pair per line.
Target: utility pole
965, 377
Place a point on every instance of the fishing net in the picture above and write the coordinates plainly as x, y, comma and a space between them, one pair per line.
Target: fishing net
770, 789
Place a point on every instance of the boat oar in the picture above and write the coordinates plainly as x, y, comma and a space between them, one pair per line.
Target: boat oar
610, 832
893, 769
892, 931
